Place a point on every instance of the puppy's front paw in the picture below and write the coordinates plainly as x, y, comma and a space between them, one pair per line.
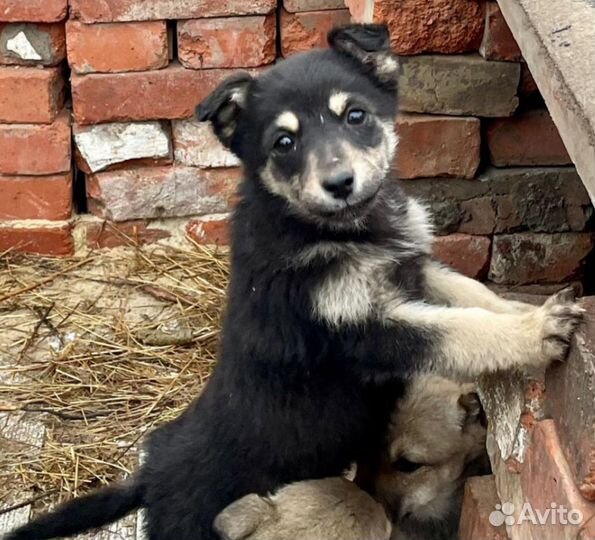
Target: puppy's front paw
558, 319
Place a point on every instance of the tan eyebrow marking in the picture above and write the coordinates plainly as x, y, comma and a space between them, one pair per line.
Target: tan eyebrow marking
337, 102
288, 121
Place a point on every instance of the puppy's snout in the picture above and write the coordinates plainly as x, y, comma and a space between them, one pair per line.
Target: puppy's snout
339, 185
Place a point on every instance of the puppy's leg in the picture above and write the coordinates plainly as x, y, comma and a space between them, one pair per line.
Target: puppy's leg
473, 341
444, 286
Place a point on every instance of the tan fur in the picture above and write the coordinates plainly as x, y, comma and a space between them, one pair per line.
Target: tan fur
437, 425
329, 509
337, 103
477, 341
288, 121
450, 288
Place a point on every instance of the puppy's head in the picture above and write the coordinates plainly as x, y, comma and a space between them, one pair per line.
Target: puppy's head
435, 433
316, 129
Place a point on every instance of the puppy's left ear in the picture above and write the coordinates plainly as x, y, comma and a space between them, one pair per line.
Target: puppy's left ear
224, 105
368, 44
471, 406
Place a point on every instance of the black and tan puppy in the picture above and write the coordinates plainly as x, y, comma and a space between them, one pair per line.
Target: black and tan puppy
332, 300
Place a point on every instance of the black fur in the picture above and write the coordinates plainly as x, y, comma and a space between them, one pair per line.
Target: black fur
291, 397
103, 506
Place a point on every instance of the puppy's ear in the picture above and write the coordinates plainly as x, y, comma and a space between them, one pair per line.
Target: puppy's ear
368, 44
223, 106
243, 517
471, 406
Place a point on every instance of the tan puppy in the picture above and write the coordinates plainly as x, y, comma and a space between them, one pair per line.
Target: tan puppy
329, 509
435, 441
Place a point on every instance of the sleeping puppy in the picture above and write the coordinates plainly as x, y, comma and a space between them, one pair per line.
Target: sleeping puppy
435, 441
327, 509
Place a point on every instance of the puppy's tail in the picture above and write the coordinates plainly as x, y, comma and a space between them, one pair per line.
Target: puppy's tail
79, 515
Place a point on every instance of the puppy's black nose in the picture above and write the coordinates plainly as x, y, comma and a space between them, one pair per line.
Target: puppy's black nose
340, 186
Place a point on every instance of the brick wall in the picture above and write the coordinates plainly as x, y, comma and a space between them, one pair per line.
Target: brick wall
35, 149
475, 140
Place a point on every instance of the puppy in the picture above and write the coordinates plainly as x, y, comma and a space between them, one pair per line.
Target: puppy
327, 509
333, 299
434, 442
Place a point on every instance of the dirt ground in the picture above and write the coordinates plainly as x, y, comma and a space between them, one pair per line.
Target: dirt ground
95, 351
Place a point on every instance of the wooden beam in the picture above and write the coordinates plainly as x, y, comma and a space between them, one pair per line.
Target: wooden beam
557, 39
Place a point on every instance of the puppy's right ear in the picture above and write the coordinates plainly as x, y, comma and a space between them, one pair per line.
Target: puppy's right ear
242, 518
223, 106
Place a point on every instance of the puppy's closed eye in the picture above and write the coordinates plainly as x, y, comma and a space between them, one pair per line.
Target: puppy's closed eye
405, 465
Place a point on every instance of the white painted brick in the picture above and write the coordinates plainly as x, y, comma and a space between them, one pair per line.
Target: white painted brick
195, 145
103, 145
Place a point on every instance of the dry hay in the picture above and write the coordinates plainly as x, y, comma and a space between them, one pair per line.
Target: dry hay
94, 351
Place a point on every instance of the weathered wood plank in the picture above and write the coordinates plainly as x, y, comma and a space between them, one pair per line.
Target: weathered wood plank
556, 39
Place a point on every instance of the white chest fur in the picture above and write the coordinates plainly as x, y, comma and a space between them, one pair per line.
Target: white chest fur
355, 290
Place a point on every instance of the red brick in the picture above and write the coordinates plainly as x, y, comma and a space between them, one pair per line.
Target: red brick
30, 95
38, 240
479, 501
546, 478
46, 44
173, 92
527, 139
33, 10
570, 389
159, 192
498, 42
130, 233
416, 26
115, 48
312, 5
305, 30
36, 197
437, 146
146, 10
211, 230
527, 85
229, 42
523, 258
32, 149
467, 254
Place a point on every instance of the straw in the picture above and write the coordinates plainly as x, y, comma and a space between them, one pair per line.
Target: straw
94, 352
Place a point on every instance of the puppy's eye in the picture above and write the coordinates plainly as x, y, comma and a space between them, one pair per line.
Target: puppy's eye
355, 117
405, 466
284, 144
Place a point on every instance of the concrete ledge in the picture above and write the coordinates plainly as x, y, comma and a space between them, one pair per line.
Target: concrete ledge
556, 39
